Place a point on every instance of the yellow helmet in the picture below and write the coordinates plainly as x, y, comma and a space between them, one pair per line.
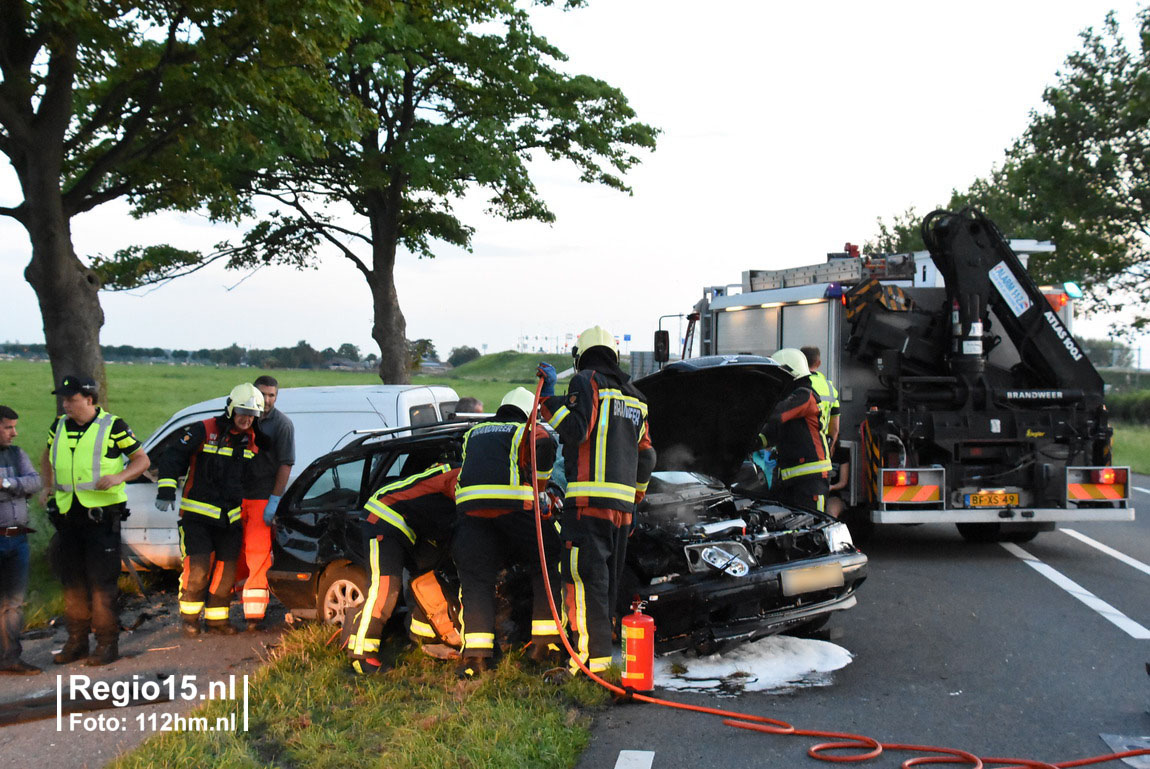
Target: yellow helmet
521, 398
794, 360
245, 399
596, 336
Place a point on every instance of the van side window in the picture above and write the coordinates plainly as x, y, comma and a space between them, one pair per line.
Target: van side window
337, 488
423, 414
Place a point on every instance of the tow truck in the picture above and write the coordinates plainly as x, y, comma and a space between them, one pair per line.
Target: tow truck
965, 397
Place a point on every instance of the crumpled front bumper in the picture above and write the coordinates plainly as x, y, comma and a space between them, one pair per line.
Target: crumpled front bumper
707, 611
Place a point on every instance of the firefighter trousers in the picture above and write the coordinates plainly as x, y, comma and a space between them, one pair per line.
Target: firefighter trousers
482, 547
385, 570
210, 551
257, 559
596, 546
808, 493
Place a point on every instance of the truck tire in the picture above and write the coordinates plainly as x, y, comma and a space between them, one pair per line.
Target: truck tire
342, 588
993, 532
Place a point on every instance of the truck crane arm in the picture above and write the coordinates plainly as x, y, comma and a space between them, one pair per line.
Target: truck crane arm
981, 272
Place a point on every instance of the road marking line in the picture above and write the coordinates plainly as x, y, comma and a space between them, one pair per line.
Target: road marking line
1144, 568
1139, 488
635, 759
1108, 612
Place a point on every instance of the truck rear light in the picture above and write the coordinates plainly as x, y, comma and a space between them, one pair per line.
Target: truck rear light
900, 478
1108, 476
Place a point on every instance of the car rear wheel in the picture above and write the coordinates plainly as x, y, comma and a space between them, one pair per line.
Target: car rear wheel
341, 590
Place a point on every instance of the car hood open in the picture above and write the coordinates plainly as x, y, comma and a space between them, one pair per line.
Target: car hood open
704, 413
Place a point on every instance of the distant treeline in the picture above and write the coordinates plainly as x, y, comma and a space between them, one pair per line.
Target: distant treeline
303, 355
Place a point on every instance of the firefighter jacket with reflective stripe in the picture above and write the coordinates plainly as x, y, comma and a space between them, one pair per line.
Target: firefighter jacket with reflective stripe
496, 471
828, 399
794, 429
421, 507
81, 456
214, 455
607, 452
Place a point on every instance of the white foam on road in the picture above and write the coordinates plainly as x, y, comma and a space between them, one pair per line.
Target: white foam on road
635, 759
774, 663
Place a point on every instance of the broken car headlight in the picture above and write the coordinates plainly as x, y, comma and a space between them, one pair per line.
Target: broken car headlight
838, 537
728, 557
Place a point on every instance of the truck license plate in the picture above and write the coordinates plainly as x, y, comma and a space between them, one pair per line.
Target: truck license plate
812, 578
992, 500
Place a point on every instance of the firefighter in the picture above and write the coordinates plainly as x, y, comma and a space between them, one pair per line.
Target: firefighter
608, 459
496, 526
406, 523
794, 429
827, 394
214, 454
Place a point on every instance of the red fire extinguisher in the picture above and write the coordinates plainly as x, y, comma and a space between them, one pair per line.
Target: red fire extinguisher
639, 648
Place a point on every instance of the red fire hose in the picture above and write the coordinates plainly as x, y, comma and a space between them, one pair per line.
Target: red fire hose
843, 746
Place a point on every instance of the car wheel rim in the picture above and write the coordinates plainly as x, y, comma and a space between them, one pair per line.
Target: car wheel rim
340, 599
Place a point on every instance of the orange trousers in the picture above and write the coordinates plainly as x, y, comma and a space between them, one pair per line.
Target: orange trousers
256, 559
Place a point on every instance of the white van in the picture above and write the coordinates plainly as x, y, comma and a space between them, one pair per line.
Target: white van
325, 419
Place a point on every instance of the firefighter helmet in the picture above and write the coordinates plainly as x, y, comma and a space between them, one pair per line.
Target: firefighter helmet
521, 398
596, 336
245, 399
794, 360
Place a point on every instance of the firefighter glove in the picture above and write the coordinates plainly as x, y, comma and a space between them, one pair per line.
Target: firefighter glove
270, 510
547, 372
164, 505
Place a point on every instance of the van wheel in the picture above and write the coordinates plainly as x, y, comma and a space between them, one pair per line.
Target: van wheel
341, 590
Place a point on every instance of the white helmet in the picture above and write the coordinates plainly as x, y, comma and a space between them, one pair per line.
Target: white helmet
521, 398
245, 399
596, 336
793, 359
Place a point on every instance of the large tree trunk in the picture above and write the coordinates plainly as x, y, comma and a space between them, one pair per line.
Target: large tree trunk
66, 290
389, 329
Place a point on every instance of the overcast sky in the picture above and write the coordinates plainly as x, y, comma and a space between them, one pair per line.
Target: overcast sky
787, 129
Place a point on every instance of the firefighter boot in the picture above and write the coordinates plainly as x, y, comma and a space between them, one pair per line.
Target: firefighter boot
221, 627
545, 653
191, 626
75, 649
472, 667
106, 653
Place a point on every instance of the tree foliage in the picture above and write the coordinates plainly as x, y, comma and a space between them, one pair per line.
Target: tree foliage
157, 103
461, 355
1080, 176
451, 98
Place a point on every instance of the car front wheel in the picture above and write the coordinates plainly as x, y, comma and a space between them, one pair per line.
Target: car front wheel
341, 590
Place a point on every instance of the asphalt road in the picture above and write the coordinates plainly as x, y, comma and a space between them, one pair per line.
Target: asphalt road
960, 645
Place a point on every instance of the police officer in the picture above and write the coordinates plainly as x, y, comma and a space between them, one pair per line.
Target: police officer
84, 472
608, 459
496, 526
827, 394
794, 429
213, 454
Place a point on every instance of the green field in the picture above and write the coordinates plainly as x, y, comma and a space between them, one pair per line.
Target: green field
1132, 447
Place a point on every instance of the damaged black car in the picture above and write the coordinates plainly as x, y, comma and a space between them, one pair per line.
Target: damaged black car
716, 561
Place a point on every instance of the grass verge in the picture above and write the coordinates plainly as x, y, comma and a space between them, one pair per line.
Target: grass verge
1132, 447
413, 717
